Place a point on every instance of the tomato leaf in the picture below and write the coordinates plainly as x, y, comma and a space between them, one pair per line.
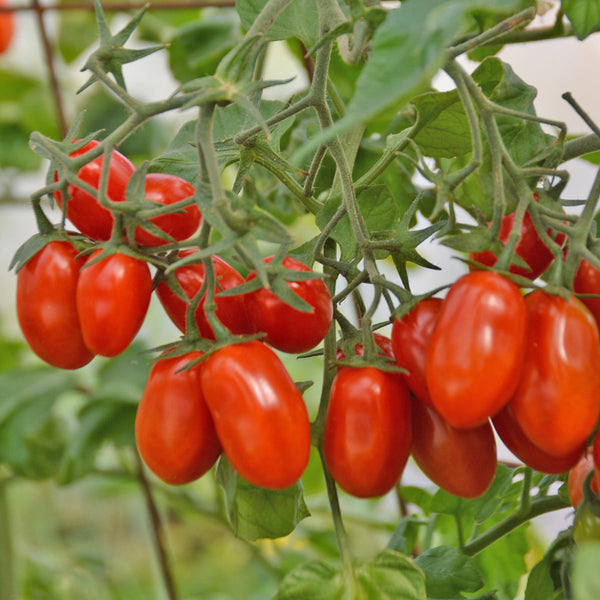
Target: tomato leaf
586, 576
584, 16
256, 513
316, 580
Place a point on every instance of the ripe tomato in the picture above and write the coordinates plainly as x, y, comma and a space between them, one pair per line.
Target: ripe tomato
596, 455
112, 300
83, 209
367, 435
587, 281
286, 328
165, 189
577, 477
7, 28
259, 414
438, 448
174, 431
475, 352
516, 441
529, 247
46, 306
557, 401
231, 310
410, 336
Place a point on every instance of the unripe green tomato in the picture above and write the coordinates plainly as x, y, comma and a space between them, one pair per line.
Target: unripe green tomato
587, 526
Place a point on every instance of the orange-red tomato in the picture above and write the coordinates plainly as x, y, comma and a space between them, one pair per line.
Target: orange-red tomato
577, 477
587, 281
174, 430
7, 28
475, 352
557, 401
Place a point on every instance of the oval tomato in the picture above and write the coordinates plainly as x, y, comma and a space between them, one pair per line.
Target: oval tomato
7, 28
557, 401
577, 476
46, 306
438, 448
587, 281
231, 310
510, 432
475, 352
259, 414
113, 296
165, 189
410, 336
174, 430
83, 209
287, 328
367, 434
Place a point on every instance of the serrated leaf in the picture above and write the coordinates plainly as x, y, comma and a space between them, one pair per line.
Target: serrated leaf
584, 16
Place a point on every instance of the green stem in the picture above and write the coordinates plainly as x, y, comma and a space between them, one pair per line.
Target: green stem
580, 146
7, 582
267, 16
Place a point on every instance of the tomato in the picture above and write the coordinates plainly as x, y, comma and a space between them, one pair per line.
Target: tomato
174, 431
510, 432
231, 310
530, 248
438, 448
586, 527
112, 300
587, 281
83, 209
166, 189
410, 336
577, 476
259, 414
286, 328
367, 434
475, 352
7, 28
596, 454
557, 401
46, 307
383, 343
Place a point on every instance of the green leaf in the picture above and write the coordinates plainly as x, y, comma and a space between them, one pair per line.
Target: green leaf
257, 513
448, 572
586, 575
316, 580
584, 16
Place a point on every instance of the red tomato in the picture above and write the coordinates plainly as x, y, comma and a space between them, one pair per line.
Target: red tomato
83, 209
112, 300
587, 281
46, 306
174, 431
529, 247
577, 476
475, 352
438, 448
167, 189
259, 414
383, 343
557, 401
410, 336
286, 328
231, 310
7, 28
596, 453
516, 441
367, 435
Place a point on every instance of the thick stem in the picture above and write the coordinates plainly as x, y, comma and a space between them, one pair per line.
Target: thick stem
268, 15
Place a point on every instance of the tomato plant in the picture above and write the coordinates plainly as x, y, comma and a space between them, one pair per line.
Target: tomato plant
577, 475
7, 28
587, 281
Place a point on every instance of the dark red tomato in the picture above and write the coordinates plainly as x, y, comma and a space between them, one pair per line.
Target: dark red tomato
174, 431
557, 401
46, 306
167, 189
578, 475
475, 352
83, 210
7, 28
529, 247
518, 443
461, 461
367, 435
231, 310
286, 328
112, 300
587, 281
383, 343
259, 414
410, 336
596, 454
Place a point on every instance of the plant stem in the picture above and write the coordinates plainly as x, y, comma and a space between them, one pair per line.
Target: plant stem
7, 590
267, 16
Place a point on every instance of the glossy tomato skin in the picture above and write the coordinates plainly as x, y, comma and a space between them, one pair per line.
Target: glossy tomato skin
231, 310
83, 210
286, 328
461, 461
510, 432
475, 352
587, 281
46, 306
174, 430
367, 434
577, 476
113, 296
166, 189
259, 414
596, 455
410, 336
557, 401
7, 28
